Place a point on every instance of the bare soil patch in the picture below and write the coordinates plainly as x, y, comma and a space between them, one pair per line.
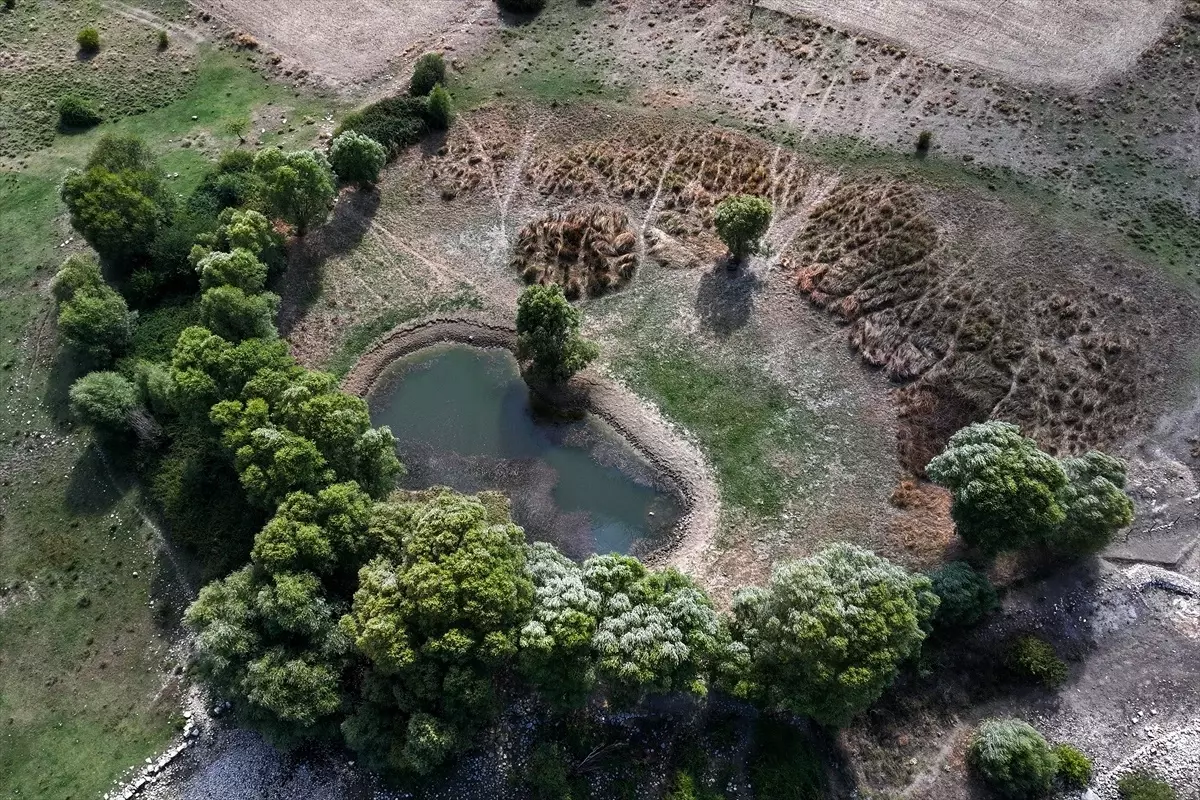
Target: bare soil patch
1076, 44
354, 42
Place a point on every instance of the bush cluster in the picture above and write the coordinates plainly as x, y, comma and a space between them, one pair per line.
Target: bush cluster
394, 122
1013, 758
429, 72
1033, 658
75, 113
1141, 785
1074, 768
966, 596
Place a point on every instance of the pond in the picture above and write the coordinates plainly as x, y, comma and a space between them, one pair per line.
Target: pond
463, 418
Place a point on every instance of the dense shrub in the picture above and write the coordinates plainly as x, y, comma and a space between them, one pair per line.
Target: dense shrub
74, 113
785, 765
163, 40
88, 40
97, 323
357, 158
429, 72
1033, 658
1144, 786
297, 187
394, 122
966, 596
1074, 768
924, 142
546, 777
1013, 759
440, 108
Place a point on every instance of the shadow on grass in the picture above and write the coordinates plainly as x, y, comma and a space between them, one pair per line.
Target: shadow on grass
90, 489
725, 299
300, 285
66, 368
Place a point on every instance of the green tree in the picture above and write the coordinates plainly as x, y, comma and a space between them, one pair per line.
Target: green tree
79, 272
556, 643
1094, 502
429, 72
357, 158
297, 187
658, 632
440, 108
206, 369
119, 201
1005, 490
236, 315
828, 634
105, 401
966, 596
240, 269
741, 220
97, 323
436, 623
548, 335
247, 229
1012, 758
321, 533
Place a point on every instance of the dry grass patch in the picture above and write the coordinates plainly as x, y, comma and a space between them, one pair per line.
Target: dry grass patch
586, 251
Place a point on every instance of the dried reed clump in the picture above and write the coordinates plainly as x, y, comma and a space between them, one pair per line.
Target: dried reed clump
586, 251
467, 159
690, 173
922, 531
1061, 365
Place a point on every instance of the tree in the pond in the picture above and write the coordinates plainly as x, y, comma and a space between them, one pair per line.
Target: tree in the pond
548, 339
828, 634
741, 220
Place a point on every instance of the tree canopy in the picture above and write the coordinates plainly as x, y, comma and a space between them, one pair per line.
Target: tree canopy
741, 220
828, 634
357, 158
548, 335
298, 187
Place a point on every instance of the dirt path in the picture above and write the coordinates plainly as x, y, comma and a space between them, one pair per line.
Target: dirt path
659, 442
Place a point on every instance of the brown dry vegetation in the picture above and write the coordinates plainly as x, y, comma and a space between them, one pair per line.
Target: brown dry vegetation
586, 251
1065, 361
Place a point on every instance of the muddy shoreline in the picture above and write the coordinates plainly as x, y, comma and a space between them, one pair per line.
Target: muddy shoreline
653, 437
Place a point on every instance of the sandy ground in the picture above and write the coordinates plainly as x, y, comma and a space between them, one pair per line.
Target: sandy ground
1071, 43
355, 41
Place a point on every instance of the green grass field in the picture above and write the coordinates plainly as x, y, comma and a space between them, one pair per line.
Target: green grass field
86, 683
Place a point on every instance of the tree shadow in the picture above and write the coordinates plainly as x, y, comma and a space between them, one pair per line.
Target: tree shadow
66, 368
90, 489
300, 285
726, 298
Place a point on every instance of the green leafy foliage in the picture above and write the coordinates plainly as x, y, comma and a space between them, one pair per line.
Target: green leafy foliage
1012, 758
966, 596
741, 220
1141, 785
239, 269
207, 369
88, 40
76, 113
357, 158
395, 122
828, 634
118, 202
297, 187
429, 72
548, 335
440, 108
657, 631
1006, 491
547, 776
92, 317
236, 315
105, 401
1033, 658
1074, 768
320, 533
1095, 503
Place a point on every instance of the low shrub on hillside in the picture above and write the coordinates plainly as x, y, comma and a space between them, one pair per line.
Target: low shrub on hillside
88, 40
76, 113
1144, 786
429, 72
1033, 658
1012, 758
966, 594
1074, 768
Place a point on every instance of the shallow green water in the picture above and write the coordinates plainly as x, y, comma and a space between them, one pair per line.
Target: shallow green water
462, 418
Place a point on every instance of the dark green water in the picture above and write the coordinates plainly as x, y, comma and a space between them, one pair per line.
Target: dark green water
462, 418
